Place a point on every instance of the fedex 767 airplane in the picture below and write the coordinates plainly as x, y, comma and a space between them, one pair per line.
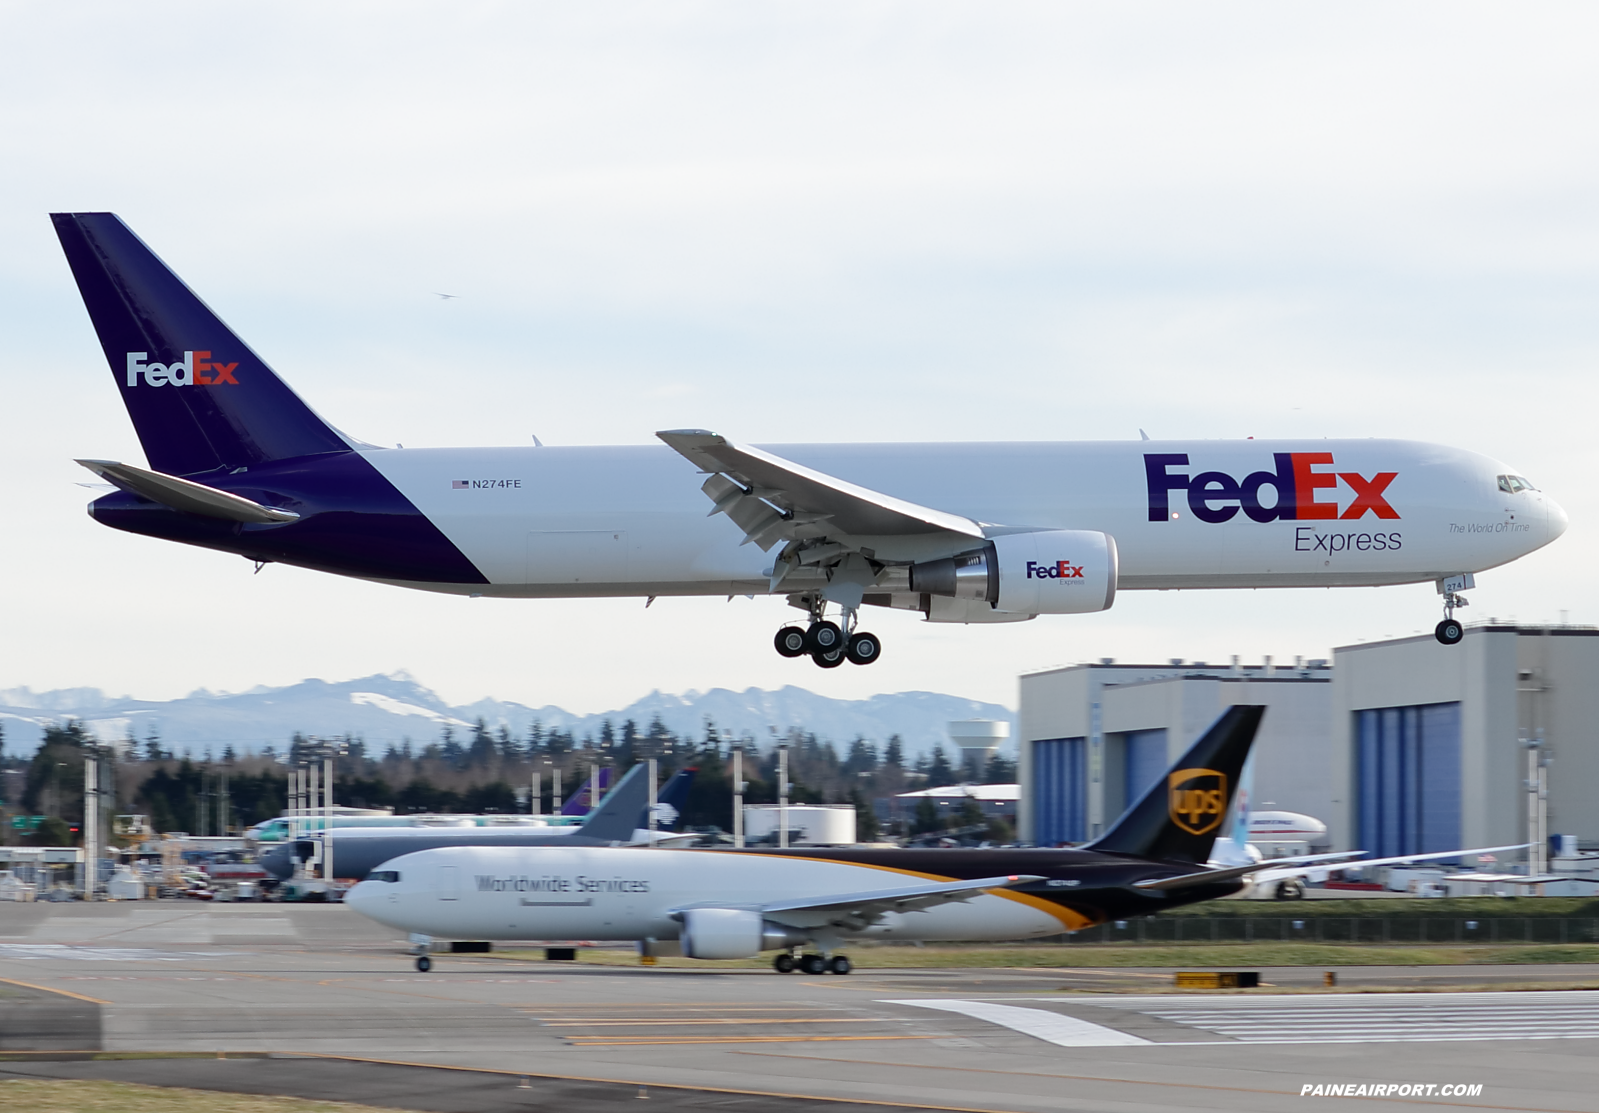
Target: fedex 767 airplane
972, 532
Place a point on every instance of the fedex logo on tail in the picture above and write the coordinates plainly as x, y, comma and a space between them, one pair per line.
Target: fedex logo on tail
1297, 483
194, 369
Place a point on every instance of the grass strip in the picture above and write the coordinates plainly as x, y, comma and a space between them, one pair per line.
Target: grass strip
70, 1096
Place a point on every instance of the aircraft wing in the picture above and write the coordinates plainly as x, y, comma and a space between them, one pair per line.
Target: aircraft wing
1270, 872
860, 909
1278, 868
772, 499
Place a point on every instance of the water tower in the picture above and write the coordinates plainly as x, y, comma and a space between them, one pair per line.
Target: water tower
977, 740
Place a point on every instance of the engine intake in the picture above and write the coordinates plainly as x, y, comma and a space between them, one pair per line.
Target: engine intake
733, 933
1058, 571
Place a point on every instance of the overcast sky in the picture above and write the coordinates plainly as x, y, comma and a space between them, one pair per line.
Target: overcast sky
805, 221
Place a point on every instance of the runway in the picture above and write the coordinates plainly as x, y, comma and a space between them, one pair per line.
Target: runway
1012, 1040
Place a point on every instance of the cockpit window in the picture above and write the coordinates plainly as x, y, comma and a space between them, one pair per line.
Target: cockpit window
1513, 484
384, 875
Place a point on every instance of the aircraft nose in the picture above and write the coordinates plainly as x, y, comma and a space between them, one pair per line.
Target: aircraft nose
1556, 518
361, 896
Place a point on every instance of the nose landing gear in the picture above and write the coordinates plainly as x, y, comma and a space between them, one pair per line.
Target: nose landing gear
1450, 630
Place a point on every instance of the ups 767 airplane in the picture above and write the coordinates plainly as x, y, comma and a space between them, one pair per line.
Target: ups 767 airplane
958, 532
737, 903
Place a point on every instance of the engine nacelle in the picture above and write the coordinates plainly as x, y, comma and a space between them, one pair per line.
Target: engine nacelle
733, 933
1058, 571
1055, 571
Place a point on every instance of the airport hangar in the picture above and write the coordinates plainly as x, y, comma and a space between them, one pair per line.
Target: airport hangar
1400, 746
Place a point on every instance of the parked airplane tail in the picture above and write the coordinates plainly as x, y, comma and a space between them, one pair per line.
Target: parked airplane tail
1180, 817
621, 811
581, 802
672, 799
199, 398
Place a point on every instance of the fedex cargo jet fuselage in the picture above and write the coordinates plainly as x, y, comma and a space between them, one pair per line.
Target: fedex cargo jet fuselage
958, 532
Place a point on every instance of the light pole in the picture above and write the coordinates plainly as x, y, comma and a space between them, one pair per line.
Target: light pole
91, 821
782, 795
738, 795
654, 790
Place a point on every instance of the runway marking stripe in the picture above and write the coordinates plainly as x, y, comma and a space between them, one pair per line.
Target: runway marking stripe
642, 1041
731, 1020
62, 992
1056, 1028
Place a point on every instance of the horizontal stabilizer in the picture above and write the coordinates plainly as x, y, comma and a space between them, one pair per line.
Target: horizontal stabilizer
1275, 869
186, 495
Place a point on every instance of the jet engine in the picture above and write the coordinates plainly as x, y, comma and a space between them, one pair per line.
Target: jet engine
733, 933
1058, 571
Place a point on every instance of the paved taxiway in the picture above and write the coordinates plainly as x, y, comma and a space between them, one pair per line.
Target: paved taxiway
320, 981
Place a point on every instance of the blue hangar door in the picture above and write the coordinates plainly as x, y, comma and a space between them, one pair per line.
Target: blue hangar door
1060, 791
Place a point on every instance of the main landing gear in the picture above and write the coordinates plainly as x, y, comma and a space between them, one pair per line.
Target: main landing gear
814, 965
827, 643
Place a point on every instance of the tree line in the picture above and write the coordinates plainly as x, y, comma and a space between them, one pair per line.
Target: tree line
477, 769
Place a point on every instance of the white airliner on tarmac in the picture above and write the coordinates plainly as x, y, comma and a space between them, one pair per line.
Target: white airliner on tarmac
957, 532
717, 904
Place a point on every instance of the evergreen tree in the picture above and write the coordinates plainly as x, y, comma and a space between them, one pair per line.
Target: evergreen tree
449, 749
939, 771
867, 828
971, 814
480, 755
862, 757
926, 820
894, 753
55, 775
999, 771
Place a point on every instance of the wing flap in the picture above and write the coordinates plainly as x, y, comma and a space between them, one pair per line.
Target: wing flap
746, 483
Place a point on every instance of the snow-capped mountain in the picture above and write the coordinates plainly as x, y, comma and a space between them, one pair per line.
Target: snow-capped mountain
384, 709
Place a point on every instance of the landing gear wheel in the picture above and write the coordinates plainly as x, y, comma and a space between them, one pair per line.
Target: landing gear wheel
783, 964
829, 660
824, 637
1290, 890
424, 964
813, 964
840, 965
1449, 631
790, 641
863, 649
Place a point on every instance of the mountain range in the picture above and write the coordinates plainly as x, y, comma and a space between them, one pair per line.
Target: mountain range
395, 707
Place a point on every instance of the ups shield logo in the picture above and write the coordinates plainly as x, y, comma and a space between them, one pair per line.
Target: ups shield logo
1197, 799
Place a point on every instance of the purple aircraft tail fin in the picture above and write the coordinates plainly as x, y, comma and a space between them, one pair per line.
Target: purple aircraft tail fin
581, 802
199, 398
